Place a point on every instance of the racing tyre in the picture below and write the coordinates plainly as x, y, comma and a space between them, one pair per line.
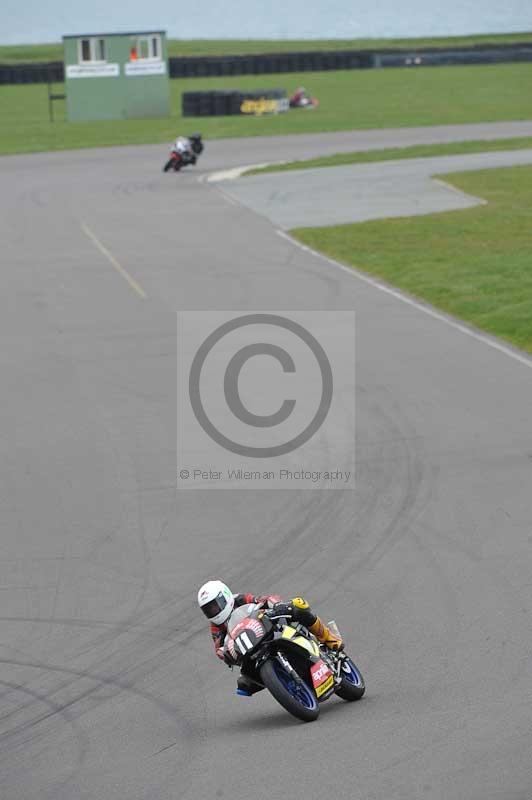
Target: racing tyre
294, 696
168, 165
352, 686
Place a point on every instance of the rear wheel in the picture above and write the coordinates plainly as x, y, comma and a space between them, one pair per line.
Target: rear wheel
294, 695
352, 686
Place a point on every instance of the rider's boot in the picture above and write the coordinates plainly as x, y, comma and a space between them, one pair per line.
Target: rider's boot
302, 613
325, 635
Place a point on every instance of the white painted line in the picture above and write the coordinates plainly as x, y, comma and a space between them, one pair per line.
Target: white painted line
113, 261
229, 198
404, 298
235, 172
225, 175
479, 200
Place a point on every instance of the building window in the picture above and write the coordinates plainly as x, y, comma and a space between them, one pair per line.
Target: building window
145, 48
100, 49
85, 50
92, 50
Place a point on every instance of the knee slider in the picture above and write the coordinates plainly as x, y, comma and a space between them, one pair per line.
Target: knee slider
301, 603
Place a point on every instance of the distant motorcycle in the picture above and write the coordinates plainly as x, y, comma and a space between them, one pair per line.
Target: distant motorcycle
185, 156
289, 661
300, 99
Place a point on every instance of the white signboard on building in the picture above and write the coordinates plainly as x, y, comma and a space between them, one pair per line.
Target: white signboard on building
93, 71
145, 67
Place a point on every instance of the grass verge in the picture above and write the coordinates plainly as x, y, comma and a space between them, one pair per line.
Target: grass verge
475, 264
398, 153
221, 47
350, 99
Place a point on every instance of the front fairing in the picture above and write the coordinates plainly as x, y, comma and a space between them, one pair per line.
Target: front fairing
247, 629
304, 654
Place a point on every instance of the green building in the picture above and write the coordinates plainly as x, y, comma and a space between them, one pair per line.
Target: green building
116, 76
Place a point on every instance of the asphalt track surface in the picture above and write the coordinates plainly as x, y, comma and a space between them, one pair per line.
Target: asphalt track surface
109, 688
354, 193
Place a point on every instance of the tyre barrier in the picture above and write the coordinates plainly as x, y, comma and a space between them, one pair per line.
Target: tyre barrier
40, 72
228, 103
440, 58
326, 60
311, 61
270, 63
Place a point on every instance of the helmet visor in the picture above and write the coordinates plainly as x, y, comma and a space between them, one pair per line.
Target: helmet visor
215, 606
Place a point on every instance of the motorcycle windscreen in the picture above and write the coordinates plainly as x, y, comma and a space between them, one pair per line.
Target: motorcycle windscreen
240, 614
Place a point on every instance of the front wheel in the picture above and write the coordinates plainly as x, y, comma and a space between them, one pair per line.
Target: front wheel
352, 686
295, 696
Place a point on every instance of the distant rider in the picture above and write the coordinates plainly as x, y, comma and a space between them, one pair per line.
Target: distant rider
299, 97
183, 146
217, 602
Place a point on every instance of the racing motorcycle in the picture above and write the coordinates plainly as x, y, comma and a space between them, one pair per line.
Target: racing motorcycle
302, 100
178, 160
284, 657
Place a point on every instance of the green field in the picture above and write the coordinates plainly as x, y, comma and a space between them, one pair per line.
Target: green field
475, 264
353, 99
398, 153
213, 47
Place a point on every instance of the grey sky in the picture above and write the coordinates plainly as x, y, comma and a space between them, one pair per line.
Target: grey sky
34, 21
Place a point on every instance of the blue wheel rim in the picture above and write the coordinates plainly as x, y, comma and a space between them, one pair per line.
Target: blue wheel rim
351, 673
299, 691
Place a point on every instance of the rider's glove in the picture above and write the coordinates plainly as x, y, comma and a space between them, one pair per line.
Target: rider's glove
220, 653
281, 610
230, 662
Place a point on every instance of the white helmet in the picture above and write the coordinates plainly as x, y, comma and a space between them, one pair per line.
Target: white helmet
216, 600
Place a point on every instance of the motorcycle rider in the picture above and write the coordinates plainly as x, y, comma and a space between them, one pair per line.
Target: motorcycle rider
299, 97
183, 146
217, 602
